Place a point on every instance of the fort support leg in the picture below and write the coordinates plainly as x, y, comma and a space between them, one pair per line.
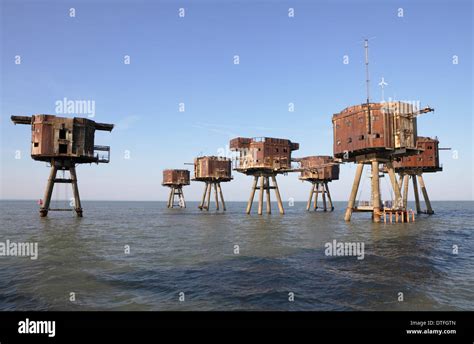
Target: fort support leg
355, 188
267, 188
173, 194
395, 185
177, 196
329, 197
376, 190
222, 196
316, 195
417, 195
49, 191
311, 192
323, 190
216, 196
260, 197
183, 201
201, 206
209, 189
400, 179
405, 190
252, 194
429, 210
277, 193
170, 197
75, 190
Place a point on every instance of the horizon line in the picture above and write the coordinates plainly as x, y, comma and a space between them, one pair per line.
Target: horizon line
243, 201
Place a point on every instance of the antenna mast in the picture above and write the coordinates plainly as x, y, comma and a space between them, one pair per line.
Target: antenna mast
369, 119
367, 80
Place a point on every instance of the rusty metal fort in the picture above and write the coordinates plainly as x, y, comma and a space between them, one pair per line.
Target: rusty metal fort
64, 143
382, 135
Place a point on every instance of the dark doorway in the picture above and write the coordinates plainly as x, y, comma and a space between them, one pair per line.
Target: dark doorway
62, 149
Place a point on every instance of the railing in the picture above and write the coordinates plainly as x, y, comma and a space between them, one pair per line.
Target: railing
259, 139
364, 203
104, 158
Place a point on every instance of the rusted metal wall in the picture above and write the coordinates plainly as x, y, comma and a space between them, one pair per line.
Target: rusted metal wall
46, 138
176, 177
240, 143
320, 167
263, 153
212, 168
427, 160
42, 133
61, 137
83, 134
391, 125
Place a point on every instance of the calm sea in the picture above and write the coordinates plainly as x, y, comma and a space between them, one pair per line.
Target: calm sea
186, 251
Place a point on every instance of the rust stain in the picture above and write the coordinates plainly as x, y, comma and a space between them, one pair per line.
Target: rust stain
265, 153
176, 177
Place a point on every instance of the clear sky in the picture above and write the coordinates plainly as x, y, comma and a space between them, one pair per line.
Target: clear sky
190, 60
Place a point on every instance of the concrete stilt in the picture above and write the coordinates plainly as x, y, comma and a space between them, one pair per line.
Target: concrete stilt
252, 194
267, 188
173, 192
395, 185
277, 193
208, 201
355, 188
52, 180
260, 197
417, 195
169, 197
206, 195
323, 190
406, 178
183, 201
178, 191
316, 196
400, 181
49, 191
201, 206
329, 197
222, 196
429, 210
264, 187
376, 191
319, 187
311, 192
216, 196
75, 190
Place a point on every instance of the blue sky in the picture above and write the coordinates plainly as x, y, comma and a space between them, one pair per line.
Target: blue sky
190, 60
